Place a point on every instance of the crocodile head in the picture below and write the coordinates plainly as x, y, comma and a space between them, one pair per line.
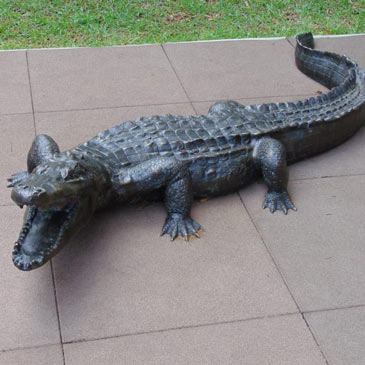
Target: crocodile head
61, 195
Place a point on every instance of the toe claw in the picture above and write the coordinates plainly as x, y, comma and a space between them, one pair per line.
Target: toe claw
282, 206
278, 200
174, 233
184, 232
180, 226
272, 206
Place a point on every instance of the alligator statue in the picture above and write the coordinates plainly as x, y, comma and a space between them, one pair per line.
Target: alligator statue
184, 157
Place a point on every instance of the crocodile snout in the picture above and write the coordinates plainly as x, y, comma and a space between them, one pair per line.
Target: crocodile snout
26, 195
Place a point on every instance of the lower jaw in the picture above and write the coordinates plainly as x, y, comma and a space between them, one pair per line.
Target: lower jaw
26, 261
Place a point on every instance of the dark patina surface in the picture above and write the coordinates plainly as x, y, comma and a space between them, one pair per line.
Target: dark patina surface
184, 157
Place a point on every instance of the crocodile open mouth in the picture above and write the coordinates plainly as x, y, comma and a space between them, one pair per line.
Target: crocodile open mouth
42, 235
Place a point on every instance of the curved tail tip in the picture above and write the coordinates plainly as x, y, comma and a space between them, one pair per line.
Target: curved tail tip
305, 39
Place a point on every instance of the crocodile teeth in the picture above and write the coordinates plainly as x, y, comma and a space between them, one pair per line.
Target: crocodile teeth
17, 248
16, 259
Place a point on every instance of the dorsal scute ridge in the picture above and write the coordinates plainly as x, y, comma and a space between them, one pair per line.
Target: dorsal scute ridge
229, 125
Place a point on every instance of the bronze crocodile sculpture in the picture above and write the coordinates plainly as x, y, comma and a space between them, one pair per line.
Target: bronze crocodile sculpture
185, 157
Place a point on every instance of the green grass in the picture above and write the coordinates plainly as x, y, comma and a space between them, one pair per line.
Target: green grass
56, 23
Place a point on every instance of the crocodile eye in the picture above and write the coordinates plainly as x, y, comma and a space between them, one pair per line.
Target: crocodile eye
69, 175
41, 170
74, 173
64, 174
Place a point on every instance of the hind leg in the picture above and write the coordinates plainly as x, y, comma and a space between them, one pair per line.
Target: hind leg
270, 157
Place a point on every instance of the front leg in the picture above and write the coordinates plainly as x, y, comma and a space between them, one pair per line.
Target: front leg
174, 176
178, 201
270, 156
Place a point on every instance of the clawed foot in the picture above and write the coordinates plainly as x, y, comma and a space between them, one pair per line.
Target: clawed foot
177, 225
278, 201
17, 178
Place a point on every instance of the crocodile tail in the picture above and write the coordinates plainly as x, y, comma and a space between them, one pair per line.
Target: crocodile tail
329, 69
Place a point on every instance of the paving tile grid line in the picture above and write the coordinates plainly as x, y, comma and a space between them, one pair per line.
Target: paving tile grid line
33, 117
244, 207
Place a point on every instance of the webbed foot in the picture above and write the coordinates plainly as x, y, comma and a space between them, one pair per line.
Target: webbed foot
17, 178
278, 200
177, 225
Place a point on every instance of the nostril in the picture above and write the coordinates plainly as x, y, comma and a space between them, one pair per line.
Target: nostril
38, 192
25, 195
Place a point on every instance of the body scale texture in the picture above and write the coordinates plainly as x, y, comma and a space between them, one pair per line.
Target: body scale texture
184, 157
